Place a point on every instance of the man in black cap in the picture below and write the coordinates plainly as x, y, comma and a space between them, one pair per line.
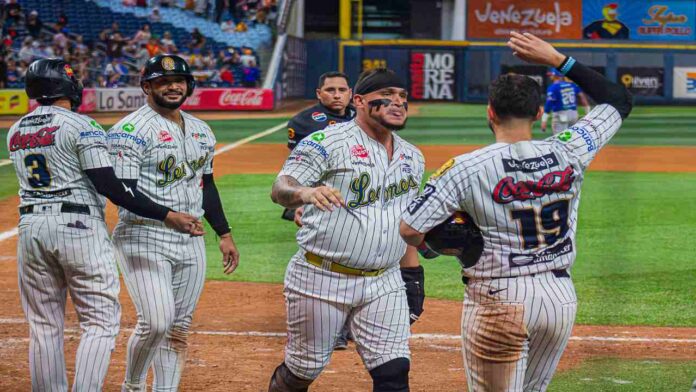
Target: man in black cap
167, 154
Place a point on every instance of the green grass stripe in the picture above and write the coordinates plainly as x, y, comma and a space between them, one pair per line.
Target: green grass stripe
619, 375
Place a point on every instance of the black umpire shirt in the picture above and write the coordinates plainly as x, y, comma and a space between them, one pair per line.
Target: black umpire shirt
314, 119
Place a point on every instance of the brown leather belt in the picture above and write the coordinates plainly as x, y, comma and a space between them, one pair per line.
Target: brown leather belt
339, 268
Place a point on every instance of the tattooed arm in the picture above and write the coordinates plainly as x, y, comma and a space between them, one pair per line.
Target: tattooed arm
289, 193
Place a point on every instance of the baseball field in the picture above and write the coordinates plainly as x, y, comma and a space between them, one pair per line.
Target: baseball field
634, 275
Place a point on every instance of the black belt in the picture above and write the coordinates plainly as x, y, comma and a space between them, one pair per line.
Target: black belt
559, 273
66, 208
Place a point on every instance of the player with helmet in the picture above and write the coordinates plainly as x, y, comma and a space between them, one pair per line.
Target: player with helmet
522, 196
166, 154
63, 167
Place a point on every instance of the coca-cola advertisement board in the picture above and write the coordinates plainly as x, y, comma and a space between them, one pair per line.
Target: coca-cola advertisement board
230, 99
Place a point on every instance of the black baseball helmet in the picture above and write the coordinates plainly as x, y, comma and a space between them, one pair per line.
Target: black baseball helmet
49, 79
168, 65
457, 236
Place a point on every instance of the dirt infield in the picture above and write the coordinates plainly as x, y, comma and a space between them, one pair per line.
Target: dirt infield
239, 327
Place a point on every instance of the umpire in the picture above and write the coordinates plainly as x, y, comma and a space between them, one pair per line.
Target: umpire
333, 93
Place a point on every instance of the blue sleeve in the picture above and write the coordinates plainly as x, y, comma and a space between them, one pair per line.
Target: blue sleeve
548, 106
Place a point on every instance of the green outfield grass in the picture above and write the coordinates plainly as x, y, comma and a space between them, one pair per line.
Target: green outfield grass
637, 231
636, 236
615, 375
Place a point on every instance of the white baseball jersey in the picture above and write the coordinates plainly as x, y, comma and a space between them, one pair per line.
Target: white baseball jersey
524, 197
50, 148
365, 234
60, 250
168, 164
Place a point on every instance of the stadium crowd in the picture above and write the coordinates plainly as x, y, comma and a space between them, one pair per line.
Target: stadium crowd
115, 59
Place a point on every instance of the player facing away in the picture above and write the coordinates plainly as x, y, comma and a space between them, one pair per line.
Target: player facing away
64, 171
354, 180
523, 194
562, 99
166, 154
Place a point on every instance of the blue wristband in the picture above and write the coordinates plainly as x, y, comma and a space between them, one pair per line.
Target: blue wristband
567, 65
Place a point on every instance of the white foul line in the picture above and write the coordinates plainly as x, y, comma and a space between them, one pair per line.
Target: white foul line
6, 235
415, 336
5, 162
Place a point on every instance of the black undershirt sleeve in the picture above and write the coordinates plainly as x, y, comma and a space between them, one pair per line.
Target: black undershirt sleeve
600, 89
124, 193
213, 206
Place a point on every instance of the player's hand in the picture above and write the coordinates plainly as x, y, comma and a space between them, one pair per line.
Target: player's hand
184, 223
298, 216
230, 254
323, 197
543, 127
533, 49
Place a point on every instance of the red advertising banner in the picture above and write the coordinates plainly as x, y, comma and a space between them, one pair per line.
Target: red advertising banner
89, 101
545, 18
230, 99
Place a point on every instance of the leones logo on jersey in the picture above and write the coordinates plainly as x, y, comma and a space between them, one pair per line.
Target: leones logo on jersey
318, 137
128, 127
168, 63
164, 136
359, 151
565, 136
319, 116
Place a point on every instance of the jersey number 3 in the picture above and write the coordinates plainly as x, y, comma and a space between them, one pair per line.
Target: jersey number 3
551, 222
39, 176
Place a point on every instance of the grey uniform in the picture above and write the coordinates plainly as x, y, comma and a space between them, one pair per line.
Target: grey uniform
64, 245
364, 235
520, 302
164, 270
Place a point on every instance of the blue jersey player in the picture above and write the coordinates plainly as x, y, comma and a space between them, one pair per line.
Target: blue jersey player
562, 99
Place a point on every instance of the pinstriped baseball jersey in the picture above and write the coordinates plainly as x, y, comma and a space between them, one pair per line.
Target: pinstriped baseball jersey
168, 163
49, 148
365, 234
524, 197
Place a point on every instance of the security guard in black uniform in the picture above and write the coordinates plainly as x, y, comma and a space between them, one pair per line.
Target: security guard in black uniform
334, 93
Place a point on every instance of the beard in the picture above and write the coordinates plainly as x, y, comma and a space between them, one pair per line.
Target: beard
389, 126
160, 101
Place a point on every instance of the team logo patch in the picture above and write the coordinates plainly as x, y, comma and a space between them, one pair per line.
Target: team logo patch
417, 203
318, 137
405, 157
565, 136
319, 116
332, 122
128, 127
508, 190
68, 70
164, 136
291, 133
359, 151
442, 170
168, 63
406, 168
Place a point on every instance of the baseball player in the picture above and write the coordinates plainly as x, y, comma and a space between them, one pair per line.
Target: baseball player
333, 93
63, 167
562, 99
166, 154
354, 180
523, 195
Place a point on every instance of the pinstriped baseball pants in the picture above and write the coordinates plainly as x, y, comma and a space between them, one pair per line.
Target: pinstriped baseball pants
54, 259
514, 331
164, 272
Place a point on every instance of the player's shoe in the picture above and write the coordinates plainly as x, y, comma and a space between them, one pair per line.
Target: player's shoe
342, 341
